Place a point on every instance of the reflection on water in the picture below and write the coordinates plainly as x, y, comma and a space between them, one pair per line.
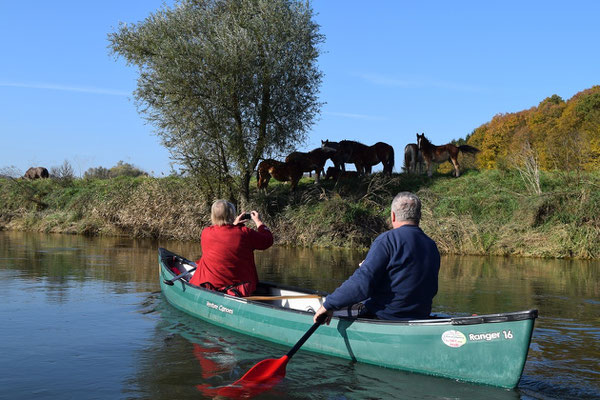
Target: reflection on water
95, 327
224, 356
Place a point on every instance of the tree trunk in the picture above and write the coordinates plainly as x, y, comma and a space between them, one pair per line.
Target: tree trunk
245, 186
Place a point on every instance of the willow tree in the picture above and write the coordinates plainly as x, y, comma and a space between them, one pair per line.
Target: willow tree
226, 83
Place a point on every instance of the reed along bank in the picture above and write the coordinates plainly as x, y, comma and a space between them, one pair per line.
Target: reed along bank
490, 212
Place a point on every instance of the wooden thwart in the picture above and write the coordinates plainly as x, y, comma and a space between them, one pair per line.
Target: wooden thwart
304, 296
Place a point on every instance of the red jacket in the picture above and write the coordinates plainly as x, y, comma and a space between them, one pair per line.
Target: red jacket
228, 256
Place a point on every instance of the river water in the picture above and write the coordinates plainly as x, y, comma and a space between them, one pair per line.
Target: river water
83, 318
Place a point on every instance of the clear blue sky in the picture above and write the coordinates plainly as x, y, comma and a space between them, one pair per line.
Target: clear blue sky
392, 68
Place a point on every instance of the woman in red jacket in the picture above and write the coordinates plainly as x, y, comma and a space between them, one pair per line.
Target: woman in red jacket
227, 262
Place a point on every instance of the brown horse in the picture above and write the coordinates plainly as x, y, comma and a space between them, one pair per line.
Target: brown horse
413, 159
282, 171
314, 160
362, 156
336, 174
36, 173
439, 154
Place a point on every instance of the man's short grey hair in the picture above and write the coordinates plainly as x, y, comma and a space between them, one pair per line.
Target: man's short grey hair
407, 207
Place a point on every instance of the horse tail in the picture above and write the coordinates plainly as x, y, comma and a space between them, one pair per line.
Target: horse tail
390, 161
407, 157
465, 148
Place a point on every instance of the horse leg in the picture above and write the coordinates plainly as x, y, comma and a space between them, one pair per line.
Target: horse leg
295, 179
429, 168
259, 180
387, 170
359, 168
456, 166
263, 181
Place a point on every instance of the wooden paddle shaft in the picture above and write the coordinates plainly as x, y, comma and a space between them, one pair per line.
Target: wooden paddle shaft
304, 296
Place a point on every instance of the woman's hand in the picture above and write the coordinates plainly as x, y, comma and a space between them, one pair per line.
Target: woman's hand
240, 219
256, 218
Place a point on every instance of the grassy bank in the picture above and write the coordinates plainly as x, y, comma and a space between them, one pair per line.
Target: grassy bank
487, 212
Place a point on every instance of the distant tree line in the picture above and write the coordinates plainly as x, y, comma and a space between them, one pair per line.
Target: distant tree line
555, 135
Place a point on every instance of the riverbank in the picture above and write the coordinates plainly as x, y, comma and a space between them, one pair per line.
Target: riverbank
482, 212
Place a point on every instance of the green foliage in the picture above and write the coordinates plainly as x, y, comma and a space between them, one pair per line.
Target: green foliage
121, 169
226, 82
64, 173
125, 169
589, 107
96, 173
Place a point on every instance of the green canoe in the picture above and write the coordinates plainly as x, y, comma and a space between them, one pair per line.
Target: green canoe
486, 349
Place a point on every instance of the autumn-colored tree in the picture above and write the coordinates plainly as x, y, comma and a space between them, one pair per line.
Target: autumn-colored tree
495, 138
587, 108
560, 135
542, 121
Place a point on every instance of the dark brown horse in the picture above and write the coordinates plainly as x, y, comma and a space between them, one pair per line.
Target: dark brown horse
413, 159
336, 174
282, 171
439, 154
314, 160
362, 156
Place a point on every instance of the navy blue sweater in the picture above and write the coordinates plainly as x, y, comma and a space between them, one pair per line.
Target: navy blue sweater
399, 276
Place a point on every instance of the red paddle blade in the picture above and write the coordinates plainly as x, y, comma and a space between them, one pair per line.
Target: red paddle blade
262, 377
265, 371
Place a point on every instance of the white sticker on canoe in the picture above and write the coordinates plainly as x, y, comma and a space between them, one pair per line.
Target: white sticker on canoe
453, 338
219, 307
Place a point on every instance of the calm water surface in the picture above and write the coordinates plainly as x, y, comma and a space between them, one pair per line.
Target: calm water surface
83, 318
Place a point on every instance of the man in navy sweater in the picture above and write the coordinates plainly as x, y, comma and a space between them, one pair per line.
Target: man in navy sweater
399, 277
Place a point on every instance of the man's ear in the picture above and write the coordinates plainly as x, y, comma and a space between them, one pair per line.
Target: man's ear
393, 217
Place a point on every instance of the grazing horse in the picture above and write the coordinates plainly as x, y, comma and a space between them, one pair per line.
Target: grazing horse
343, 153
362, 156
439, 154
333, 172
36, 173
383, 153
314, 160
282, 171
413, 159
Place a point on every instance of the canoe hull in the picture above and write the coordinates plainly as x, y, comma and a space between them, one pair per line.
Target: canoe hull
490, 349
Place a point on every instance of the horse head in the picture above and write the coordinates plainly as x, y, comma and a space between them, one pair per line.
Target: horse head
262, 174
326, 150
332, 172
326, 144
422, 141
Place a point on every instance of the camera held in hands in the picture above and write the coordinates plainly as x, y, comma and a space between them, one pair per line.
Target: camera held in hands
245, 216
